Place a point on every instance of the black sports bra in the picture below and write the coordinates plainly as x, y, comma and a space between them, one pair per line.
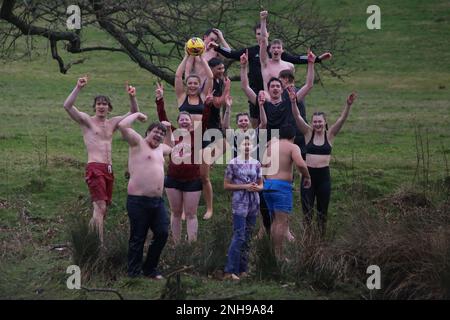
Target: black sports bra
192, 108
324, 149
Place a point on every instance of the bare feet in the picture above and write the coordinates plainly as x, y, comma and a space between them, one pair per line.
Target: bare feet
230, 276
289, 236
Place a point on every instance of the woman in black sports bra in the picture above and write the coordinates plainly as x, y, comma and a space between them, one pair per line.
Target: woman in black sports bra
190, 98
318, 155
190, 95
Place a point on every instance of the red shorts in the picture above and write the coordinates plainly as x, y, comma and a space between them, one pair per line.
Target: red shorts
100, 179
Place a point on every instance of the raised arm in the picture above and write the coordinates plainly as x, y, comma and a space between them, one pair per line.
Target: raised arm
220, 101
131, 136
303, 59
160, 109
336, 127
221, 38
227, 53
209, 75
299, 121
251, 95
80, 117
264, 42
226, 114
168, 138
262, 112
301, 94
133, 105
179, 85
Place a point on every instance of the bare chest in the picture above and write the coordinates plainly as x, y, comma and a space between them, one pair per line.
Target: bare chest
150, 156
99, 131
273, 68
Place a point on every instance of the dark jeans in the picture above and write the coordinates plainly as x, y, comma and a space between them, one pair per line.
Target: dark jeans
144, 213
320, 190
238, 251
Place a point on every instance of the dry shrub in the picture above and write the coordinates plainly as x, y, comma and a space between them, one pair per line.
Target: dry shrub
406, 234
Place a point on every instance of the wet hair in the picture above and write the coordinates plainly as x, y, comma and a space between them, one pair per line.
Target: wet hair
214, 62
209, 31
272, 80
287, 74
256, 27
102, 98
184, 113
157, 125
241, 114
276, 41
287, 132
320, 113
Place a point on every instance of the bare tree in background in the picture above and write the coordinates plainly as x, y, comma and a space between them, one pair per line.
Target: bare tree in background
152, 33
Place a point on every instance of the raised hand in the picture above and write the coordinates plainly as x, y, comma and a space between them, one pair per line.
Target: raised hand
130, 89
159, 92
82, 82
292, 93
311, 56
219, 33
212, 45
244, 58
261, 98
141, 117
351, 98
209, 96
227, 85
263, 15
325, 56
167, 124
228, 101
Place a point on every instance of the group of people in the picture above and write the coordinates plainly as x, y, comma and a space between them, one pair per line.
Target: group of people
270, 139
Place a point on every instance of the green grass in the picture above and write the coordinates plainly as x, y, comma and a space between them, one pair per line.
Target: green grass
401, 74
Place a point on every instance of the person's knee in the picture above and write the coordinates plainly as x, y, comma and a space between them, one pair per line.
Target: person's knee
161, 234
239, 236
190, 215
100, 207
177, 212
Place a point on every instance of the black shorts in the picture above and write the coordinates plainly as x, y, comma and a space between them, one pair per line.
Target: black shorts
183, 185
254, 110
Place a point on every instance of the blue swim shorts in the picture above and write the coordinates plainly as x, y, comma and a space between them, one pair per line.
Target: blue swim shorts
278, 195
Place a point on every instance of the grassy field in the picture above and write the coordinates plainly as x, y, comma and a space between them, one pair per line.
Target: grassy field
401, 74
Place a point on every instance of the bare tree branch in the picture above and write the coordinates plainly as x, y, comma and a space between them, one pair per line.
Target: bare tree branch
153, 32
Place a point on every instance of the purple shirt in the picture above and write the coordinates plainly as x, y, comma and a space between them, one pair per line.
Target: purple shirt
240, 171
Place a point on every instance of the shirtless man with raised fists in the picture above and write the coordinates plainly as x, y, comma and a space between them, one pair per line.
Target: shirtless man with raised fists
97, 134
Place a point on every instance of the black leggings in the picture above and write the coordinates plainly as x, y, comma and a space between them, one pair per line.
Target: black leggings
320, 189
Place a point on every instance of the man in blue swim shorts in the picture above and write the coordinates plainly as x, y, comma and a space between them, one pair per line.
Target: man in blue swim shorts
277, 190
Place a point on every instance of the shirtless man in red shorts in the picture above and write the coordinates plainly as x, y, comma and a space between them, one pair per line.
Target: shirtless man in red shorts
97, 134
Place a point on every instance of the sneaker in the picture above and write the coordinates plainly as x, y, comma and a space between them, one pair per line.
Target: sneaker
155, 275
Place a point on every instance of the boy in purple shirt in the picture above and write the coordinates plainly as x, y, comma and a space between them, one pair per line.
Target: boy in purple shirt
243, 177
